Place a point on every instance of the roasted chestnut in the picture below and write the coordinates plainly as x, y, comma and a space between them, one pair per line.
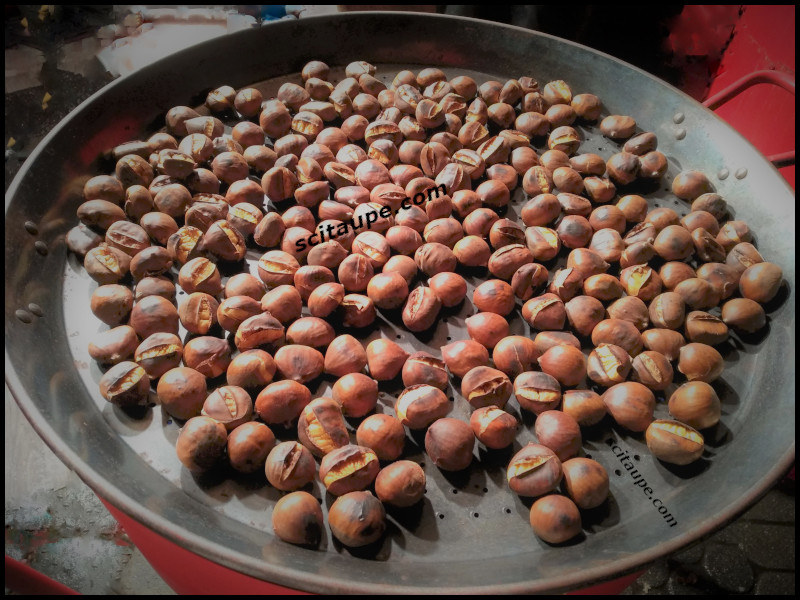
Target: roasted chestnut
297, 519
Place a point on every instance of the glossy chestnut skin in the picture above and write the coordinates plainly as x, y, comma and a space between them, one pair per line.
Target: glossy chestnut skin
586, 482
356, 393
700, 362
545, 312
667, 310
182, 392
559, 432
696, 404
297, 519
290, 466
384, 434
424, 368
208, 355
229, 405
484, 386
487, 328
115, 345
400, 484
248, 446
494, 427
620, 333
126, 385
533, 471
252, 369
111, 303
282, 401
555, 519
385, 359
631, 405
420, 405
537, 391
421, 309
608, 365
744, 315
450, 288
674, 442
494, 296
705, 328
201, 444
664, 341
585, 406
159, 353
653, 370
462, 356
584, 313
348, 469
357, 519
515, 354
449, 444
565, 363
761, 282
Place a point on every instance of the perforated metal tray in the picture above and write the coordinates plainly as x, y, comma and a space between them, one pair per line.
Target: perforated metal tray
470, 534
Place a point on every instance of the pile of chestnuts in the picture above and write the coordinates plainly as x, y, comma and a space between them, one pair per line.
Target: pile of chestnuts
634, 300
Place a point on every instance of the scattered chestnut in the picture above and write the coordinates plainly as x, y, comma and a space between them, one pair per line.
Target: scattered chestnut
700, 362
559, 432
674, 442
484, 386
585, 406
423, 368
182, 392
357, 519
494, 427
297, 519
290, 466
384, 434
631, 405
201, 444
652, 369
533, 471
761, 282
449, 443
744, 314
586, 482
555, 519
420, 405
608, 365
348, 469
461, 357
565, 363
537, 392
126, 385
696, 404
248, 446
400, 484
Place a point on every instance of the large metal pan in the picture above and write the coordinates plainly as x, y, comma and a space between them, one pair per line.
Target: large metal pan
470, 534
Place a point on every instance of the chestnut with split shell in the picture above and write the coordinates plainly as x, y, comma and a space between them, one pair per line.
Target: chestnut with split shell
348, 469
534, 471
674, 442
420, 405
494, 427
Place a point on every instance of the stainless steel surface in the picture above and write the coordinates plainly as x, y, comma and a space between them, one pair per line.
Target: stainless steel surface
470, 534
